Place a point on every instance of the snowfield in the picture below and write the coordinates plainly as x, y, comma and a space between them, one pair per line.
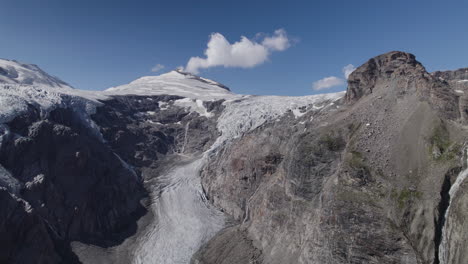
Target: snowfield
244, 115
175, 83
13, 72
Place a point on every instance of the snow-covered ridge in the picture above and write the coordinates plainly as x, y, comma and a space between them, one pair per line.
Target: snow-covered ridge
242, 112
244, 115
15, 98
174, 83
22, 85
14, 72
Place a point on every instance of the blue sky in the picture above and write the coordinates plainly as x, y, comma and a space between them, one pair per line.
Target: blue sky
98, 44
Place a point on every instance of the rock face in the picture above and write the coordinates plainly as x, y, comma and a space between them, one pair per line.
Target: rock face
376, 175
70, 186
360, 184
384, 68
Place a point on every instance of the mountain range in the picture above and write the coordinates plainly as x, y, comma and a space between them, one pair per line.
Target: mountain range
177, 168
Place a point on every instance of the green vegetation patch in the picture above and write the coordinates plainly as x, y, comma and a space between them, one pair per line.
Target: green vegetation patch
332, 141
405, 196
353, 128
356, 160
441, 147
357, 197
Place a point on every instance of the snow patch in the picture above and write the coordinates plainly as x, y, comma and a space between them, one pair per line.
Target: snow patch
153, 122
10, 183
297, 113
195, 105
163, 105
36, 181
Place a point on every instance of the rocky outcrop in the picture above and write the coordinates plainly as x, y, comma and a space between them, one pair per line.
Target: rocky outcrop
394, 65
460, 74
71, 186
231, 245
145, 129
399, 73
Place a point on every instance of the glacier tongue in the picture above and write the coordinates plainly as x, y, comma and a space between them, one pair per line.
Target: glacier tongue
184, 219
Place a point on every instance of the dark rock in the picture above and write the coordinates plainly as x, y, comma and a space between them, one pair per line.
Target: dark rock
77, 188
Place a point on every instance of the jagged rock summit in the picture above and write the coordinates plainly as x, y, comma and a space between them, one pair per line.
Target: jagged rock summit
382, 68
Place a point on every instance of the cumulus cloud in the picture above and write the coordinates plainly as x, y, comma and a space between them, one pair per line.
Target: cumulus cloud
333, 81
279, 41
244, 53
327, 82
157, 67
347, 70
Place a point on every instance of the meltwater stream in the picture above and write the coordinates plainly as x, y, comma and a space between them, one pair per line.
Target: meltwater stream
184, 218
444, 248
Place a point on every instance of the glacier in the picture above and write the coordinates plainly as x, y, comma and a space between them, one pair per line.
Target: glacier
184, 219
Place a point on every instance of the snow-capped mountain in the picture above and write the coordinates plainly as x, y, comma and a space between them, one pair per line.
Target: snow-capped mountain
177, 168
22, 85
13, 72
175, 83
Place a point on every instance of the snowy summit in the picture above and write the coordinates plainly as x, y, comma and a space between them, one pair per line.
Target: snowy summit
174, 82
13, 72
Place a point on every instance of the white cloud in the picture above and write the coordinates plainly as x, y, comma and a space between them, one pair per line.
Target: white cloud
327, 83
279, 41
348, 69
333, 81
245, 53
157, 67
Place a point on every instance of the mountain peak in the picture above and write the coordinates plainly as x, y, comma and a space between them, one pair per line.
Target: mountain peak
387, 66
176, 82
14, 72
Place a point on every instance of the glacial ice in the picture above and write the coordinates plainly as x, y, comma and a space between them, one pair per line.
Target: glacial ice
184, 218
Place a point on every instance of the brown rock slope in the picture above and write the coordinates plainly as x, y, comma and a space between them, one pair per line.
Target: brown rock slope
364, 181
